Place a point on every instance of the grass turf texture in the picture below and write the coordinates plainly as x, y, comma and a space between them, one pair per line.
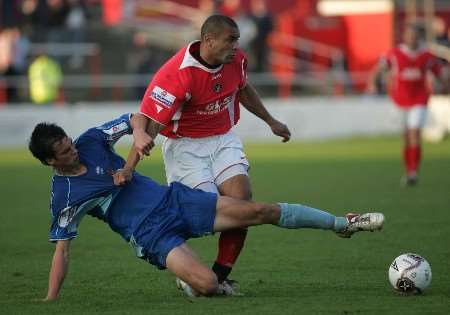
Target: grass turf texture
280, 271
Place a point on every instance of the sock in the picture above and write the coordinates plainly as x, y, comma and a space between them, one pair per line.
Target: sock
295, 216
415, 153
221, 271
412, 157
230, 246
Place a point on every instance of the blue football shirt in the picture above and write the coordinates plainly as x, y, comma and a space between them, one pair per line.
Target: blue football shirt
94, 193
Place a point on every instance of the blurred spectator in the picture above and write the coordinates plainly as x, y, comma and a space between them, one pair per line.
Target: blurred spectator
247, 27
9, 13
21, 47
248, 32
264, 25
57, 13
45, 78
229, 8
13, 58
76, 24
196, 16
28, 16
35, 19
143, 59
440, 31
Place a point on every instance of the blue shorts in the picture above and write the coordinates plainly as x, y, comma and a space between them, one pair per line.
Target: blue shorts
186, 213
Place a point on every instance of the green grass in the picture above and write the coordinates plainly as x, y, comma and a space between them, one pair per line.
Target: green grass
280, 271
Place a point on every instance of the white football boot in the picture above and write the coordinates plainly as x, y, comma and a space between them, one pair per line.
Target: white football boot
229, 288
362, 222
183, 286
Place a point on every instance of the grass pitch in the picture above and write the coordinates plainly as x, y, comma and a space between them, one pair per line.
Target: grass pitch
280, 271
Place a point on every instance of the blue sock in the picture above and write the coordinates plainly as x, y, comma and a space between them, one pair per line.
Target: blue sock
295, 216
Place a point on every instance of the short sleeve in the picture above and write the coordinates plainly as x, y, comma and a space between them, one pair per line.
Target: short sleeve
164, 96
63, 226
111, 131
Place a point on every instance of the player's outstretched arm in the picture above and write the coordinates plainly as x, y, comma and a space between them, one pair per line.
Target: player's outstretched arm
59, 268
250, 100
376, 72
444, 79
143, 143
144, 131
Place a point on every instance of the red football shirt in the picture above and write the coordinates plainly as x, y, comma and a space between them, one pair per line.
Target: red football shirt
192, 100
408, 83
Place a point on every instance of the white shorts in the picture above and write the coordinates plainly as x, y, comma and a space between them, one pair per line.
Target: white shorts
414, 117
196, 161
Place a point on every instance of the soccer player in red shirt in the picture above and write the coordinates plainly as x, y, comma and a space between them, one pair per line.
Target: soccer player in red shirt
409, 66
193, 100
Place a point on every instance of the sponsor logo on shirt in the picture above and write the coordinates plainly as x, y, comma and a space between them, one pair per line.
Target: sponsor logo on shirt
116, 129
162, 96
217, 106
411, 74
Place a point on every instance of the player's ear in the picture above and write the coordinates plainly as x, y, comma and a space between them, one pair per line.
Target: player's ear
50, 161
208, 39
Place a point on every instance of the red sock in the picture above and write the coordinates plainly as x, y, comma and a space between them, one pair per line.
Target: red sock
412, 156
230, 246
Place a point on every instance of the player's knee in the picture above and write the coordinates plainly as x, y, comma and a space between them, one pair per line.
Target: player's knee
248, 194
244, 194
208, 285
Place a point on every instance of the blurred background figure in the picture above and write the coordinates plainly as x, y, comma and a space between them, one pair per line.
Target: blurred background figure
143, 60
263, 20
409, 65
195, 15
45, 79
247, 26
76, 25
14, 48
57, 12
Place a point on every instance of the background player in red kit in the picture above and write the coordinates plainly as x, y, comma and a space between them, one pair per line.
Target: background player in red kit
409, 66
193, 100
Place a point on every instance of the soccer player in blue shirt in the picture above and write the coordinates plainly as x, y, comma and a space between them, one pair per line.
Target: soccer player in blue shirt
155, 219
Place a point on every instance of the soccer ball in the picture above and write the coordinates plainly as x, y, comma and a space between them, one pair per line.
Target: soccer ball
410, 273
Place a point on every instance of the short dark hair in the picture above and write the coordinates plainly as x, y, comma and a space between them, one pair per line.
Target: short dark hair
42, 139
217, 23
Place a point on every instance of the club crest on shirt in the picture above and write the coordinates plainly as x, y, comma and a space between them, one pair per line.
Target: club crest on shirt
217, 87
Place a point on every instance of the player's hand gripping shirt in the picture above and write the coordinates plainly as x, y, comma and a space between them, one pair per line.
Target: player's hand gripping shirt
192, 100
94, 193
408, 82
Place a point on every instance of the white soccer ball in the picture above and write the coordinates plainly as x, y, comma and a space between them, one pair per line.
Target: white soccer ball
410, 273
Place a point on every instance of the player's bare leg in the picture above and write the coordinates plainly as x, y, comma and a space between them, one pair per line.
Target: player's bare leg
231, 241
196, 278
232, 213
